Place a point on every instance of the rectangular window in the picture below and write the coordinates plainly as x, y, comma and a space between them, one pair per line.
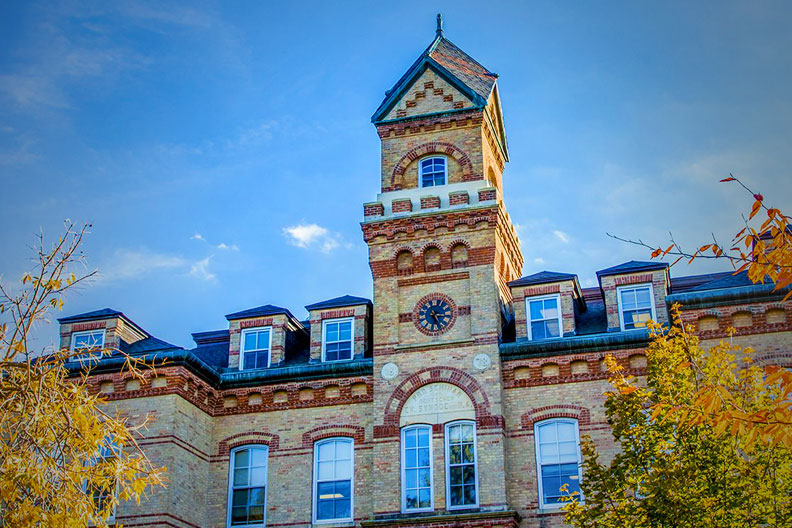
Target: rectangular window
247, 492
103, 485
433, 171
333, 482
544, 317
557, 459
338, 340
461, 476
636, 306
89, 343
256, 344
417, 468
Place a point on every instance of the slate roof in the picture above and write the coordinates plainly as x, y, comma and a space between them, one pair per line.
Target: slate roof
149, 344
267, 309
90, 316
338, 302
730, 280
543, 277
631, 266
464, 72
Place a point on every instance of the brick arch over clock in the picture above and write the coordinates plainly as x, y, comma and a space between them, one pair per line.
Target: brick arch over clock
400, 178
454, 376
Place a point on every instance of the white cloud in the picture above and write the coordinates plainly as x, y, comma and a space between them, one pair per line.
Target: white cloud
223, 245
539, 260
312, 236
131, 264
128, 264
197, 236
560, 235
201, 271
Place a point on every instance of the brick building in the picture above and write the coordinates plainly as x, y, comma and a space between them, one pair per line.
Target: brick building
456, 398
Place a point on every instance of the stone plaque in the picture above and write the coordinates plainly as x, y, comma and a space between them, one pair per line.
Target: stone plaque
389, 371
482, 362
437, 403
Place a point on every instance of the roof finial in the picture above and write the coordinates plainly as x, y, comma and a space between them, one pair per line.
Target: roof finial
439, 31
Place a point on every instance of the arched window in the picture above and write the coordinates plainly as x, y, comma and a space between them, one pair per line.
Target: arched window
404, 262
557, 460
459, 256
431, 258
461, 471
417, 468
247, 492
433, 171
333, 480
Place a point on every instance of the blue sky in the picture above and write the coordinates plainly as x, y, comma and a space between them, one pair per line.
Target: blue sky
222, 151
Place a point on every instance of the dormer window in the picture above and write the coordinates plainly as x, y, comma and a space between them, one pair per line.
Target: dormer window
636, 306
256, 344
338, 339
544, 317
433, 171
87, 342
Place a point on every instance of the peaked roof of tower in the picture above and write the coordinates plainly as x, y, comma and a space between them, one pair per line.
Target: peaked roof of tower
459, 69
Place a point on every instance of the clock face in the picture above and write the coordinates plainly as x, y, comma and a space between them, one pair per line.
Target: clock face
435, 315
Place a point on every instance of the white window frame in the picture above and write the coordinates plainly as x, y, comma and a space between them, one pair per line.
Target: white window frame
315, 481
528, 320
404, 469
90, 353
231, 485
445, 170
619, 289
352, 338
573, 421
446, 438
110, 518
242, 346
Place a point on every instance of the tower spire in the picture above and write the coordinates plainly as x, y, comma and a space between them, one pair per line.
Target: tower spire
439, 31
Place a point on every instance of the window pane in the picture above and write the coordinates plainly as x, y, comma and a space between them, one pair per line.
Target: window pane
411, 458
467, 453
549, 453
455, 454
343, 450
258, 476
423, 457
455, 475
255, 514
469, 475
467, 433
241, 477
410, 438
643, 298
548, 433
250, 341
456, 495
345, 331
536, 310
324, 510
411, 499
453, 434
411, 478
257, 496
423, 437
538, 330
259, 457
239, 515
332, 332
566, 432
240, 498
342, 508
327, 451
263, 340
241, 458
343, 469
551, 328
550, 309
326, 471
424, 478
425, 499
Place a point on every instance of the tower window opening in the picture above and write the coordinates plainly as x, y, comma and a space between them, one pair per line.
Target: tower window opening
433, 171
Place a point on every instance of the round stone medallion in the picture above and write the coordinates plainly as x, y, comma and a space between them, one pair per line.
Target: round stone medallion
482, 362
389, 371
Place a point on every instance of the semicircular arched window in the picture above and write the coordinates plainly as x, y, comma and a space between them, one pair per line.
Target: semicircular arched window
433, 171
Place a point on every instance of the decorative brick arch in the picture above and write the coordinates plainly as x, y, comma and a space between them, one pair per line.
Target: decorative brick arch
403, 248
484, 417
581, 414
356, 432
228, 443
433, 147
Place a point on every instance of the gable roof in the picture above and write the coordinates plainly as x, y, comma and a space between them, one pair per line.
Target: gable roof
267, 309
632, 266
90, 316
457, 67
543, 277
338, 302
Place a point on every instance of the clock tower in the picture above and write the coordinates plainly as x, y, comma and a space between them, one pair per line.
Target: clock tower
442, 249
